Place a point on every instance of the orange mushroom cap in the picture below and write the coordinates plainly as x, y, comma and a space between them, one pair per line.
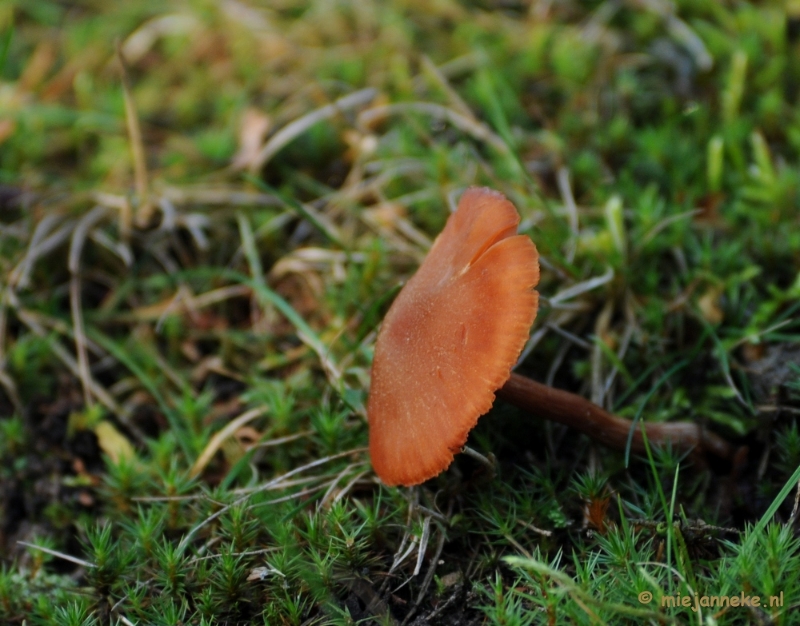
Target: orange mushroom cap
450, 339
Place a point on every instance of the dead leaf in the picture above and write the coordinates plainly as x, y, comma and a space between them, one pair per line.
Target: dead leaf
708, 206
252, 132
753, 351
709, 305
594, 513
113, 442
453, 578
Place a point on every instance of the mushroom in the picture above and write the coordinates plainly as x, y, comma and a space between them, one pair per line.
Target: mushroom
450, 339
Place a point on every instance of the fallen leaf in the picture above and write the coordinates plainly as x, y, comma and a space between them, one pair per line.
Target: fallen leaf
113, 442
254, 128
709, 305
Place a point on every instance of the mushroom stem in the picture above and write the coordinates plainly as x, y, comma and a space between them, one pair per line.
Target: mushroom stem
584, 416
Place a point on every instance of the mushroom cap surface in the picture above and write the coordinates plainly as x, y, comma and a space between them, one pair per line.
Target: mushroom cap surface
450, 339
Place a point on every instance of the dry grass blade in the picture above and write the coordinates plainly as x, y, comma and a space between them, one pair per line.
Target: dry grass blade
582, 287
423, 544
299, 126
97, 390
265, 487
79, 235
571, 337
556, 363
352, 483
681, 31
470, 126
563, 318
217, 440
332, 487
80, 338
145, 210
650, 234
60, 555
118, 248
253, 128
539, 531
457, 101
215, 296
434, 562
247, 553
11, 390
281, 440
219, 196
293, 496
42, 242
304, 331
319, 220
